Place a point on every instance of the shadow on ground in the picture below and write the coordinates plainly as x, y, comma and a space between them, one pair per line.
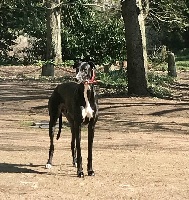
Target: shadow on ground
19, 168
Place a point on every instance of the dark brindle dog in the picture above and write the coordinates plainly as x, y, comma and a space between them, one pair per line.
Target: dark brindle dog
78, 103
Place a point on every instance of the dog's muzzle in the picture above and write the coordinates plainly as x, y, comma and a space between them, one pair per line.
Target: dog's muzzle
83, 78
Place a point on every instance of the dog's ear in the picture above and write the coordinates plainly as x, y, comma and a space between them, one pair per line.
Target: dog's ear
92, 64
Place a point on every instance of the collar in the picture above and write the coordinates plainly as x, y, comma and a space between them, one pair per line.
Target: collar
92, 80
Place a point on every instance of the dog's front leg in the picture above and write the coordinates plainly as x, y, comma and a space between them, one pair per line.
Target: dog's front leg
90, 146
77, 127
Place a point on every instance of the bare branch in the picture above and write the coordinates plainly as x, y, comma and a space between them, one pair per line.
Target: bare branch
103, 6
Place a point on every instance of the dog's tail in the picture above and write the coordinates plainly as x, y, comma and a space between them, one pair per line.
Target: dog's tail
60, 127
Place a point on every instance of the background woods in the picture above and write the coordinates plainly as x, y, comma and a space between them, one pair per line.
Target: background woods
51, 31
97, 30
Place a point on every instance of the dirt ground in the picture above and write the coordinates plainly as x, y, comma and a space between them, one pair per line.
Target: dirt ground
141, 146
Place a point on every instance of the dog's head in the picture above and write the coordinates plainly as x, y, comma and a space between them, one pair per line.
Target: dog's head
84, 71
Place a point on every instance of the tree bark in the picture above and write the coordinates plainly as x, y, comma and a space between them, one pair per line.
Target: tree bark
135, 35
54, 50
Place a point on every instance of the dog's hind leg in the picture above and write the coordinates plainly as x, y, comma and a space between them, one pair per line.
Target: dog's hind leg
91, 126
52, 124
60, 126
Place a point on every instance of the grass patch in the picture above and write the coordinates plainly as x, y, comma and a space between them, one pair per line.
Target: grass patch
182, 60
182, 65
26, 123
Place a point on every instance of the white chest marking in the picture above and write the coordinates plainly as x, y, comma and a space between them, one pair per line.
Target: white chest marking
87, 111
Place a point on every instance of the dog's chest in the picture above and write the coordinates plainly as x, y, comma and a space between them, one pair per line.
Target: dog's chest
87, 111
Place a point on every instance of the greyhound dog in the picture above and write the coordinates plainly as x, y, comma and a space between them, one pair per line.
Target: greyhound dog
78, 103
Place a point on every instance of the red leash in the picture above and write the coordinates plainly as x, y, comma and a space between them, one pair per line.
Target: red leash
92, 80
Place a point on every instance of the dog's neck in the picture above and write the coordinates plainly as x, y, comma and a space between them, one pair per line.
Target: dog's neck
86, 88
87, 111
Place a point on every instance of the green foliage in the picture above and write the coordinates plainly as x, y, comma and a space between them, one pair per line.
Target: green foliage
85, 30
171, 20
169, 13
88, 31
158, 84
116, 78
18, 18
159, 79
113, 83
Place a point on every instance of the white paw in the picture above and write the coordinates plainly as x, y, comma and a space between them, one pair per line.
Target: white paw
48, 166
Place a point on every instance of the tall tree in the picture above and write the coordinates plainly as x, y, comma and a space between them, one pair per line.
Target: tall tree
134, 32
54, 51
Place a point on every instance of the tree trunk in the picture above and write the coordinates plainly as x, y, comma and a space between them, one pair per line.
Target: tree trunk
134, 33
54, 51
141, 18
171, 65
